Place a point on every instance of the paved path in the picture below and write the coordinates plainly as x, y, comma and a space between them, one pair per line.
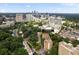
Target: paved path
30, 52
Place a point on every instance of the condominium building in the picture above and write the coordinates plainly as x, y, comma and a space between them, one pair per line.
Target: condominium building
29, 17
67, 49
55, 22
47, 42
72, 34
19, 17
51, 21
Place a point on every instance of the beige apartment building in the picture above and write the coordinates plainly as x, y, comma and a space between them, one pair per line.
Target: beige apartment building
19, 17
47, 42
67, 49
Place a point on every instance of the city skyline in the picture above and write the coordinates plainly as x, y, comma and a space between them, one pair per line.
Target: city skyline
40, 7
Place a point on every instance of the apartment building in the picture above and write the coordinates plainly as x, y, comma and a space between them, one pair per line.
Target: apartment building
47, 41
19, 17
68, 49
55, 22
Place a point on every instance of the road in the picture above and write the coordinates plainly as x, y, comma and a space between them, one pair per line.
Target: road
29, 50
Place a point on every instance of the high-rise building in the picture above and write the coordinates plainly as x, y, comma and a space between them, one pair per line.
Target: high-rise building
67, 49
51, 21
55, 22
19, 17
29, 17
47, 42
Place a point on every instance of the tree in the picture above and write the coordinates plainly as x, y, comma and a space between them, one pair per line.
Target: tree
4, 51
14, 43
4, 35
37, 46
9, 44
75, 43
20, 51
53, 51
56, 39
66, 40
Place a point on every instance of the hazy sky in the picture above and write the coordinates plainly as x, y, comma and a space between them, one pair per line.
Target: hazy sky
40, 7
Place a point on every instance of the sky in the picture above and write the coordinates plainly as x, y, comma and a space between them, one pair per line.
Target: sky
40, 7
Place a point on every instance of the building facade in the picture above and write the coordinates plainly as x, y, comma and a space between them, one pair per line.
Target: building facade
67, 49
19, 17
47, 41
55, 22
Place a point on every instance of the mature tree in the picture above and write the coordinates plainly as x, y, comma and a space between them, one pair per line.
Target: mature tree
53, 51
66, 40
14, 43
56, 39
4, 35
20, 51
4, 51
75, 43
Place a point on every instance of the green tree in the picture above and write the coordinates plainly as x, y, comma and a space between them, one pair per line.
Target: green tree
4, 35
75, 43
14, 43
20, 51
4, 51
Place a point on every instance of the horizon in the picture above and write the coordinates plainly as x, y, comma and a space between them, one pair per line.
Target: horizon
31, 12
72, 8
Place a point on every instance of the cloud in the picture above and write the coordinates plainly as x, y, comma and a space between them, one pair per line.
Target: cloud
28, 6
2, 10
65, 10
69, 4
